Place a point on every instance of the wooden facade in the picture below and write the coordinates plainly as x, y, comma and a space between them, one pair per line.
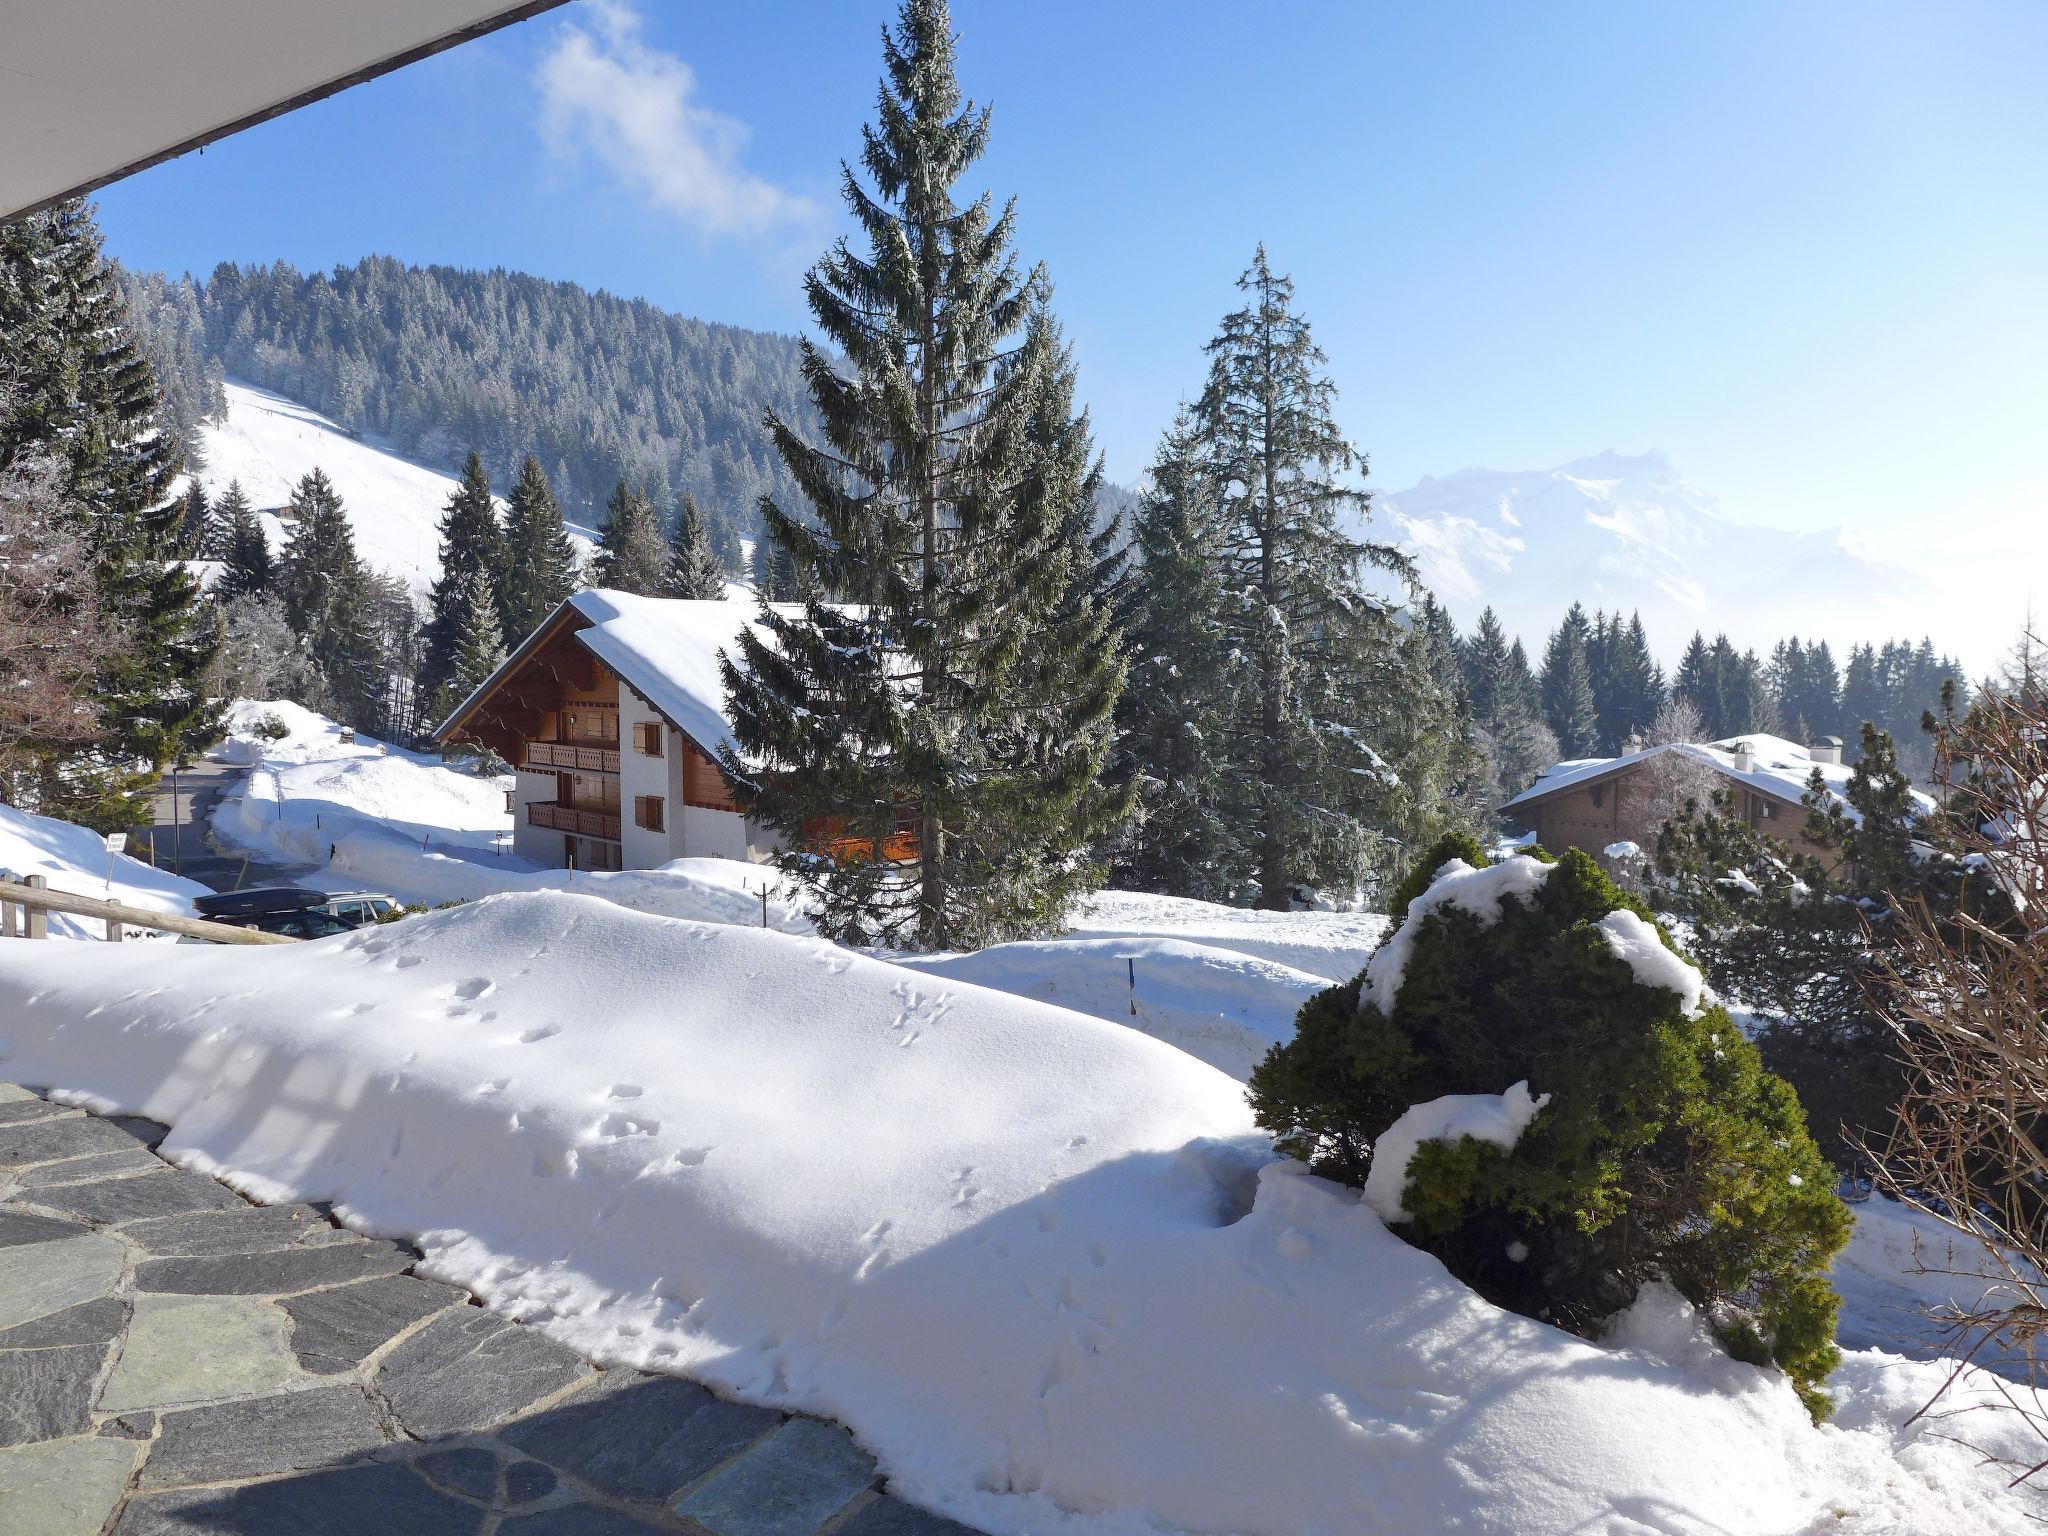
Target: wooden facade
604, 780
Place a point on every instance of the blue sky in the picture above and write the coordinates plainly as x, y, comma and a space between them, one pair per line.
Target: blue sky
1800, 248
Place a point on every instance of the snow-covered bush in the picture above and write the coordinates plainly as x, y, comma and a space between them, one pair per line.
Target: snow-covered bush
1665, 1151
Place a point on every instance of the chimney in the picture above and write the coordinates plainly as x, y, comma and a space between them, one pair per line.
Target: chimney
1745, 757
1827, 749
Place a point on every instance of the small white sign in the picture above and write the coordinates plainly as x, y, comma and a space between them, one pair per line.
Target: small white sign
117, 842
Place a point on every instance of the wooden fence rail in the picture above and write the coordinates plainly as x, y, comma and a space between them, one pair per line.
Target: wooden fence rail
36, 901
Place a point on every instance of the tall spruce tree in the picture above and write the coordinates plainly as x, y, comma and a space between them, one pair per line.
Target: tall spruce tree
479, 642
1506, 715
197, 535
1568, 704
328, 600
541, 568
471, 542
245, 548
1185, 691
943, 500
80, 392
1329, 676
693, 568
632, 555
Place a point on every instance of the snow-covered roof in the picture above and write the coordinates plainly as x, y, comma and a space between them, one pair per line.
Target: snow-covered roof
1777, 767
664, 648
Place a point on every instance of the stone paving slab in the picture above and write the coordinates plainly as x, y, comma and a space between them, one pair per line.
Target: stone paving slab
176, 1361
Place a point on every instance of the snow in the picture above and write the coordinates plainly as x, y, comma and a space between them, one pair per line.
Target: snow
1221, 1006
1496, 1118
394, 505
75, 859
1635, 941
1333, 945
1040, 1265
1900, 1263
1778, 767
370, 815
667, 649
396, 821
1457, 884
1629, 533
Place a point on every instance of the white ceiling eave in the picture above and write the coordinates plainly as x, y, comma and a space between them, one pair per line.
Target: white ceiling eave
94, 90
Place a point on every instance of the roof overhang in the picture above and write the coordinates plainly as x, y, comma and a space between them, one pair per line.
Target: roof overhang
94, 90
566, 621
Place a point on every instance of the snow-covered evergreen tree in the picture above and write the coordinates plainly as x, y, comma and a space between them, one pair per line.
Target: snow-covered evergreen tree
327, 596
540, 561
632, 555
1328, 668
479, 642
693, 568
245, 549
80, 393
471, 542
912, 688
196, 532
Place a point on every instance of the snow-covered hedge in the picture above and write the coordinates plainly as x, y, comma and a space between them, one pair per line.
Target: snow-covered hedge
1663, 1150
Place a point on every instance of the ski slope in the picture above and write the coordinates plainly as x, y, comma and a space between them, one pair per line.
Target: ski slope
268, 442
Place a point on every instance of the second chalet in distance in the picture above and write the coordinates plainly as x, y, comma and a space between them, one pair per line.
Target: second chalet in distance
612, 713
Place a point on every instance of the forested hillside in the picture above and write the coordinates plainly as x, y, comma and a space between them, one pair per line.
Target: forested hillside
437, 361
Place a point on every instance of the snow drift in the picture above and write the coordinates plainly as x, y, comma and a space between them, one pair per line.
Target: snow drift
1039, 1263
75, 859
1219, 1005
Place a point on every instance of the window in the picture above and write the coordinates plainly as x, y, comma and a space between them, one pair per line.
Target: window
647, 738
647, 812
1599, 794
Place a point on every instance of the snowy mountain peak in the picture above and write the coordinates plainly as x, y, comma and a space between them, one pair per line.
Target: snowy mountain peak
1629, 532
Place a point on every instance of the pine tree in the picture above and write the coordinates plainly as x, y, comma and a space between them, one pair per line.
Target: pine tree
471, 542
772, 573
1699, 684
1568, 705
693, 570
196, 533
632, 555
1506, 717
541, 568
1447, 779
479, 643
943, 501
81, 393
245, 549
1328, 665
1186, 687
327, 596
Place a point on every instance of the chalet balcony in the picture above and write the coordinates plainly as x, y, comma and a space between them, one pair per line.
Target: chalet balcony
568, 756
569, 818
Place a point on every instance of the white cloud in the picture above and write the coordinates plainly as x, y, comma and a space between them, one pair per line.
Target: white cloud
608, 94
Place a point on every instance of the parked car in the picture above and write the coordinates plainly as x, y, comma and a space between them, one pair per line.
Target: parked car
359, 907
306, 923
301, 911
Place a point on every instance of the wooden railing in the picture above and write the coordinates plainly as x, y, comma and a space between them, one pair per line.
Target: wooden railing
567, 754
568, 818
36, 902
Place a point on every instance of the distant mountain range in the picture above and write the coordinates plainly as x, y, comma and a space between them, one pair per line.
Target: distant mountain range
1625, 532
